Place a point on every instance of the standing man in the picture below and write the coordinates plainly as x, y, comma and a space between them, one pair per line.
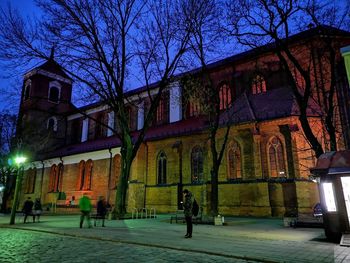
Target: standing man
101, 210
28, 209
188, 203
85, 209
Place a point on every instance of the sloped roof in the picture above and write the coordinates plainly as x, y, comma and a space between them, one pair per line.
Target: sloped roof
180, 128
52, 66
272, 104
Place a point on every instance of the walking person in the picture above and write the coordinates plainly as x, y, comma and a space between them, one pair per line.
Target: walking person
102, 209
37, 209
187, 205
85, 209
28, 209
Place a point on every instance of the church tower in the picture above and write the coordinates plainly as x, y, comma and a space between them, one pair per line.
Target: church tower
45, 103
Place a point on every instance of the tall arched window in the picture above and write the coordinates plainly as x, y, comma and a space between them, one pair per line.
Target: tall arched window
161, 168
234, 161
116, 171
52, 124
55, 180
225, 96
27, 87
276, 158
258, 84
85, 175
58, 183
52, 178
30, 181
54, 91
197, 164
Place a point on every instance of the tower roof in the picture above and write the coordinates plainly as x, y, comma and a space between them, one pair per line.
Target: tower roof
52, 66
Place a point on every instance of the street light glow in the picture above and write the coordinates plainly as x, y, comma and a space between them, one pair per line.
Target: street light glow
20, 159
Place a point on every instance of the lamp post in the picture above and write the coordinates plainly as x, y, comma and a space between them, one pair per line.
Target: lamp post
19, 160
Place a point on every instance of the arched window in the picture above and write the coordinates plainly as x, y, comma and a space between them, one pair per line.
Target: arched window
197, 164
52, 178
81, 175
116, 171
85, 175
55, 180
161, 168
276, 158
27, 87
258, 84
225, 96
52, 124
54, 91
30, 181
234, 161
58, 182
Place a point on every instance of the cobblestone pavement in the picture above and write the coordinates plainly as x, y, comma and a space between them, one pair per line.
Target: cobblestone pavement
27, 246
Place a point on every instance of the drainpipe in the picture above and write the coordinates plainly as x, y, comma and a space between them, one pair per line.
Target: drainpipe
109, 175
146, 175
42, 178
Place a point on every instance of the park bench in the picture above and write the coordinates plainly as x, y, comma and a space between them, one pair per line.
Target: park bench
96, 218
179, 216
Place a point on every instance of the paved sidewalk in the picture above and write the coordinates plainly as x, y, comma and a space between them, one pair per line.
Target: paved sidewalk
265, 240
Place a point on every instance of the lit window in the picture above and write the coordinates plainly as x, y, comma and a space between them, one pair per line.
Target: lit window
329, 197
225, 96
85, 175
276, 158
258, 84
197, 164
162, 166
234, 162
55, 179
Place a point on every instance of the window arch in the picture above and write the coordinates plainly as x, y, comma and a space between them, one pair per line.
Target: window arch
54, 91
55, 180
161, 168
258, 84
234, 159
276, 158
197, 164
225, 96
116, 171
52, 124
85, 175
27, 88
30, 181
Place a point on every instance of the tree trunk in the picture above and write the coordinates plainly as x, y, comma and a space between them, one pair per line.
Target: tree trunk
214, 192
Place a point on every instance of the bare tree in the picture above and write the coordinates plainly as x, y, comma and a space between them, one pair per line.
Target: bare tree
255, 23
201, 88
98, 43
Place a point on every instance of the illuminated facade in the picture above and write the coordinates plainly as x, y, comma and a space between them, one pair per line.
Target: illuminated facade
265, 171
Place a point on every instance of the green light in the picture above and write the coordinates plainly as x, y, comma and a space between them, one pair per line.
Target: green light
20, 159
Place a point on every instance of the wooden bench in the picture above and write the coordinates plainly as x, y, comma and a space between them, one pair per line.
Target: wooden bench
96, 218
179, 216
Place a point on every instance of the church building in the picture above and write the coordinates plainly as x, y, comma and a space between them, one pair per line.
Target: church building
265, 169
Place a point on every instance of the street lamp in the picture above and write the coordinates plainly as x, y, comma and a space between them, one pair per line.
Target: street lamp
19, 161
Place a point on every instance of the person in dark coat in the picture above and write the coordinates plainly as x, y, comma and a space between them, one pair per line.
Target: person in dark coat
187, 205
102, 209
27, 209
37, 209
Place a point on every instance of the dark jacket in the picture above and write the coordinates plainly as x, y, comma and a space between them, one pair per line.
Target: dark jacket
188, 203
101, 208
28, 206
37, 205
